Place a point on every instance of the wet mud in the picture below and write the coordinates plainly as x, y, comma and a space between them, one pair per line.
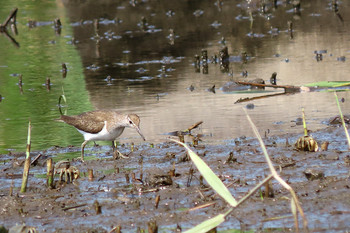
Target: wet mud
157, 183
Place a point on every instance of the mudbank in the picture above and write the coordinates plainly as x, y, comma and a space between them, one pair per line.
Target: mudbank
158, 184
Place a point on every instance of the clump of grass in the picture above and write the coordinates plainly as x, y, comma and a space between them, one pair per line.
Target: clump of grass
306, 142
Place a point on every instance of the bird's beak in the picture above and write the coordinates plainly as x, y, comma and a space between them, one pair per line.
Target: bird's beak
139, 131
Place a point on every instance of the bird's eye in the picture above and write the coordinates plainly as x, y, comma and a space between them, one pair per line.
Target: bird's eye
130, 122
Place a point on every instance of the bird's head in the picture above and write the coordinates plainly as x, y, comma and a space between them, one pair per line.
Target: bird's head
133, 121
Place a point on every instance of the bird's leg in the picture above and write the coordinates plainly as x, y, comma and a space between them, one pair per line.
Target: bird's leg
66, 177
114, 145
61, 175
82, 150
70, 178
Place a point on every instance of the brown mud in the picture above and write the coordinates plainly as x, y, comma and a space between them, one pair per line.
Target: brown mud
124, 191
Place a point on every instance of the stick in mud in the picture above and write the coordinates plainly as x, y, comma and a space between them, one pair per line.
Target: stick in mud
50, 173
97, 207
152, 226
64, 70
157, 201
127, 178
27, 162
116, 229
11, 189
35, 160
190, 175
91, 174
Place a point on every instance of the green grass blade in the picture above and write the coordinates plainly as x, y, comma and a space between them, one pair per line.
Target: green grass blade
27, 162
210, 176
342, 119
209, 224
304, 123
328, 84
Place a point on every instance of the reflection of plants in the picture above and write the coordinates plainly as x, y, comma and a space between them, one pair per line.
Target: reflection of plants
221, 189
62, 97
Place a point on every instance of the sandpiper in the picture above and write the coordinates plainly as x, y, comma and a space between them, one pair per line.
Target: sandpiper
102, 125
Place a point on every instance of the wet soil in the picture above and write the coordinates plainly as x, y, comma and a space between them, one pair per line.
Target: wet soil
124, 191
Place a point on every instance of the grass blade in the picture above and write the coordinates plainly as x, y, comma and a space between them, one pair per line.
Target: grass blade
209, 224
210, 176
342, 119
304, 123
27, 162
276, 176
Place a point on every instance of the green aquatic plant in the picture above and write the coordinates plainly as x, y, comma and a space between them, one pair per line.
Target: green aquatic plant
342, 119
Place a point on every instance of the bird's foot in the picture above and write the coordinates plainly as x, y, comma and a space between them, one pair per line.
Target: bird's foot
80, 159
117, 155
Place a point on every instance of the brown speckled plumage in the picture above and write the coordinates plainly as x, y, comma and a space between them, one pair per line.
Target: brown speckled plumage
91, 124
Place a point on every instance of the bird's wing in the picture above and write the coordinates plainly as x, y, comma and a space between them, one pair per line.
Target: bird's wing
87, 122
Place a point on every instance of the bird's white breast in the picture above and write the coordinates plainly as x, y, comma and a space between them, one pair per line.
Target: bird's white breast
103, 135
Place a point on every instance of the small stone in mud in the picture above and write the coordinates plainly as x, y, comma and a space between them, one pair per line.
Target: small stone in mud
329, 156
298, 121
170, 155
312, 174
157, 180
284, 161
